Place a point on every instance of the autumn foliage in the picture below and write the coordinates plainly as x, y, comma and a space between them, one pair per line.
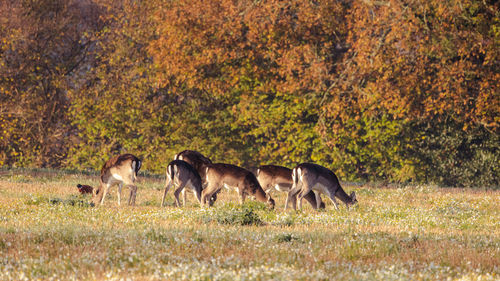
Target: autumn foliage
376, 90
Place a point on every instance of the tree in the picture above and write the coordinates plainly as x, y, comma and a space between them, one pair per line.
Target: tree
43, 44
268, 59
417, 64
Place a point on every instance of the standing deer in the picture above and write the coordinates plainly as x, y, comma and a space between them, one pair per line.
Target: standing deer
199, 162
280, 178
122, 170
183, 177
230, 176
307, 177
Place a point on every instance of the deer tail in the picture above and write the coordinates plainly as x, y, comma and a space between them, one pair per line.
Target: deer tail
295, 176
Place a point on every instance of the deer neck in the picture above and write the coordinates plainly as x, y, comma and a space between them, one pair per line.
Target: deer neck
340, 193
260, 195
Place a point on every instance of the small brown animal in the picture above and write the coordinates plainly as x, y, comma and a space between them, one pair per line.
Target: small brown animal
220, 175
122, 170
84, 189
273, 177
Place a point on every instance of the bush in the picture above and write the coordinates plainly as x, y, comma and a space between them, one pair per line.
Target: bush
237, 215
285, 237
450, 156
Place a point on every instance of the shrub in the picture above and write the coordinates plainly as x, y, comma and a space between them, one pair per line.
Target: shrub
237, 215
285, 237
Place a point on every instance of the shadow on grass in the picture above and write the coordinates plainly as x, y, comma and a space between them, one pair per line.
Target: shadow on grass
72, 200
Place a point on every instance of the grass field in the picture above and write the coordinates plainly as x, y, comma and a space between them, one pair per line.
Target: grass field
48, 231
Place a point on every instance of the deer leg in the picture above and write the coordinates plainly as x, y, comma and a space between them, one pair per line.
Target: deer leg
197, 191
184, 197
318, 199
177, 192
292, 197
304, 192
334, 201
204, 196
207, 193
292, 194
133, 194
286, 201
198, 195
242, 195
167, 188
311, 198
213, 199
120, 193
299, 200
106, 188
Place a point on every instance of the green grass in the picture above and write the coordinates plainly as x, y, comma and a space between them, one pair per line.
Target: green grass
49, 232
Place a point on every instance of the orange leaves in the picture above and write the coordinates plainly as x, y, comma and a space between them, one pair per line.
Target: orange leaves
205, 43
426, 59
191, 34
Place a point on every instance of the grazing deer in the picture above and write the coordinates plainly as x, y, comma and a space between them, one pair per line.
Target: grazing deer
84, 189
199, 162
230, 176
121, 170
182, 175
280, 178
307, 177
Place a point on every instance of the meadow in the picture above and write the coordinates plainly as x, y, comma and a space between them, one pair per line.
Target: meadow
49, 232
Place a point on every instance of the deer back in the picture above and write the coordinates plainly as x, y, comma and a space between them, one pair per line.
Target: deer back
195, 158
272, 175
120, 164
227, 174
184, 171
318, 174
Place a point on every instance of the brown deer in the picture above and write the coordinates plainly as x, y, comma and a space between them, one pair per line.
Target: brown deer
233, 177
307, 177
199, 162
280, 178
183, 177
122, 170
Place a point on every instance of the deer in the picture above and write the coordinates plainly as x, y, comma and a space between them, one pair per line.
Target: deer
243, 181
196, 159
199, 162
279, 178
185, 177
84, 189
308, 176
121, 170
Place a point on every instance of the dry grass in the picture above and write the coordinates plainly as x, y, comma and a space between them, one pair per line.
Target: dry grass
48, 232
